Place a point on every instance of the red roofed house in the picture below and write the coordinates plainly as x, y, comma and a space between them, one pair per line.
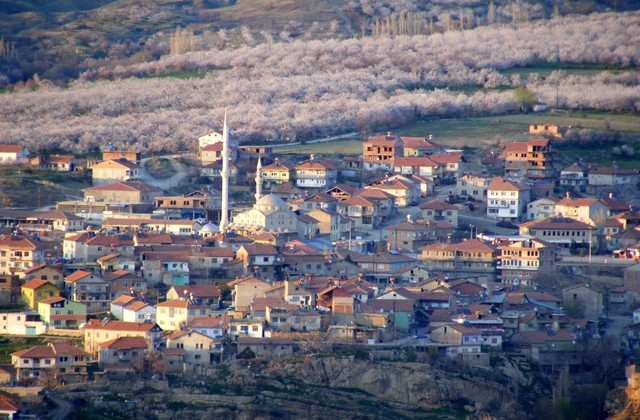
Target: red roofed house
96, 332
611, 176
336, 300
11, 153
525, 259
245, 289
9, 405
365, 213
406, 192
437, 210
19, 253
213, 153
121, 351
561, 231
139, 312
469, 258
175, 314
475, 186
110, 171
53, 361
316, 173
422, 166
420, 146
507, 200
587, 210
276, 173
452, 165
123, 192
214, 327
380, 152
34, 291
262, 261
531, 161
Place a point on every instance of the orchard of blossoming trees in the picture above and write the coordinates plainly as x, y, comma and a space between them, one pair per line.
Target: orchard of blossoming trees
317, 88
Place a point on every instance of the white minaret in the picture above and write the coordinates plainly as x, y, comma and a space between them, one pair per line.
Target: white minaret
259, 180
224, 218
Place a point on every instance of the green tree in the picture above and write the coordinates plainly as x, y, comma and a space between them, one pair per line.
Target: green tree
526, 98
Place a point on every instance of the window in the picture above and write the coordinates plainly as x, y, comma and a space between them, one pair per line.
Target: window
254, 328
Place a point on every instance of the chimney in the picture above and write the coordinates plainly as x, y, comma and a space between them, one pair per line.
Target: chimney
430, 136
359, 276
388, 135
311, 158
308, 276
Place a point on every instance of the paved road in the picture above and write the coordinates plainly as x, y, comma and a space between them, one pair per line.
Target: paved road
595, 259
347, 23
63, 410
324, 140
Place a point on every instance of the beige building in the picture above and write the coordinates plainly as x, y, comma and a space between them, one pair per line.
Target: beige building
531, 161
542, 208
96, 332
473, 185
583, 300
380, 152
199, 349
245, 289
111, 171
276, 173
121, 351
469, 258
122, 192
561, 231
437, 210
174, 314
587, 210
519, 260
316, 173
55, 360
19, 253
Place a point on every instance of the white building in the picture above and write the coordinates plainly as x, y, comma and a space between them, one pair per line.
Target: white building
507, 200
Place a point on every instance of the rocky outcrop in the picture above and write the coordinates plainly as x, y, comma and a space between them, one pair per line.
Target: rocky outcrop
630, 400
409, 383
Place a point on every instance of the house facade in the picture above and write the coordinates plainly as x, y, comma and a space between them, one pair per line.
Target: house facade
506, 199
380, 152
111, 171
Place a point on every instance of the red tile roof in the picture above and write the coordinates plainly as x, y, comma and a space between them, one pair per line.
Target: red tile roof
202, 291
34, 284
125, 343
124, 186
501, 184
118, 326
437, 205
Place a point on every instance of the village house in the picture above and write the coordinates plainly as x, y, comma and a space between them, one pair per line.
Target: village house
88, 247
548, 130
253, 152
213, 170
437, 210
56, 360
204, 294
58, 312
336, 301
420, 146
452, 165
264, 347
473, 185
215, 137
35, 290
245, 289
409, 236
276, 173
170, 268
262, 261
626, 297
583, 301
22, 323
472, 258
123, 282
587, 210
530, 162
245, 328
122, 192
110, 171
50, 273
382, 266
96, 332
88, 288
117, 305
406, 192
122, 351
139, 312
214, 327
57, 163
185, 208
213, 153
525, 258
542, 208
174, 227
461, 338
380, 152
561, 231
316, 173
199, 349
506, 199
422, 166
575, 176
610, 176
303, 320
12, 153
19, 253
115, 262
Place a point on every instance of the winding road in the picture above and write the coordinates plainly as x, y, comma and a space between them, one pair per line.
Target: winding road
63, 410
347, 23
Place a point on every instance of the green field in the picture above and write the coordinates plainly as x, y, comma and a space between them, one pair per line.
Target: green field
341, 147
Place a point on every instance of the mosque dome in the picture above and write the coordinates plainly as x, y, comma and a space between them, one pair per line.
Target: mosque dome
271, 202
